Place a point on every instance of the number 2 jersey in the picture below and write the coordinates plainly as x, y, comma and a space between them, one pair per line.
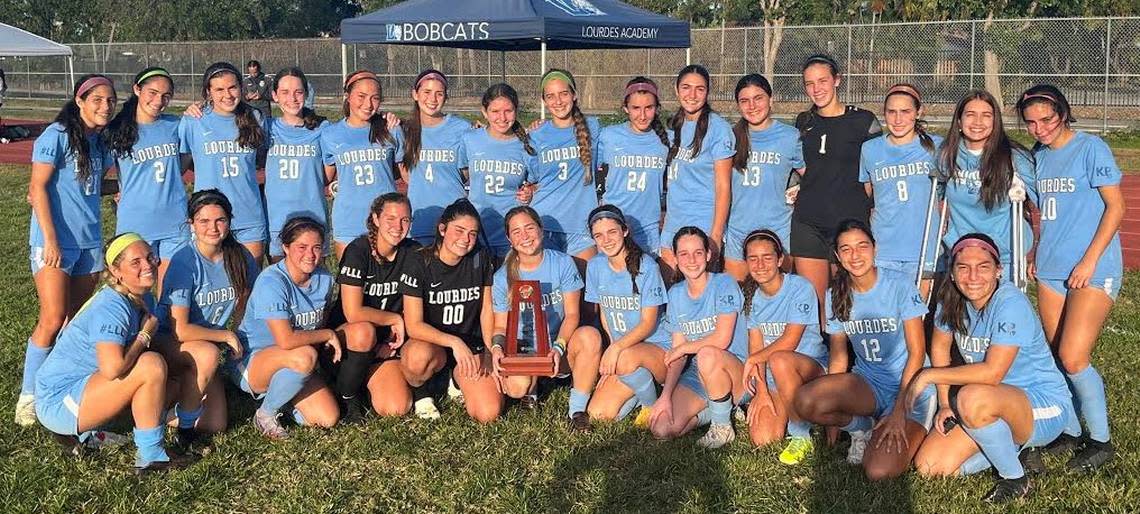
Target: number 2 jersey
452, 295
153, 201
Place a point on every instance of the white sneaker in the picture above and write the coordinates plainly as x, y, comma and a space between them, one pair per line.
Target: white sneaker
26, 410
425, 409
454, 392
717, 436
97, 439
859, 442
269, 426
739, 416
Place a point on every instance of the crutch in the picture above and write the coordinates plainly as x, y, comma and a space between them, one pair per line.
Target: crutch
937, 188
1017, 233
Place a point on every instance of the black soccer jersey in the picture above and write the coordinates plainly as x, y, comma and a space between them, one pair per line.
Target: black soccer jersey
452, 295
380, 279
830, 190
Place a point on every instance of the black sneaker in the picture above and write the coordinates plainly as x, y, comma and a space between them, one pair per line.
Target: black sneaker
1007, 489
580, 422
175, 462
352, 411
529, 402
1063, 444
1091, 456
1031, 461
69, 445
189, 441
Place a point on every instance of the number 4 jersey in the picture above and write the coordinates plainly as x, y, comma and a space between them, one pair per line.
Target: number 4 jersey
452, 295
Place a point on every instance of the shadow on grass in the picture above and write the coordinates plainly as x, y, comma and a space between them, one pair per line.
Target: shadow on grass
840, 487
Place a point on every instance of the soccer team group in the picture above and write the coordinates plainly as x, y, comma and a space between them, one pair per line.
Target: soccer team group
902, 324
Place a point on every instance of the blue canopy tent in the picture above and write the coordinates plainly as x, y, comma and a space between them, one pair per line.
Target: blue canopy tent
507, 25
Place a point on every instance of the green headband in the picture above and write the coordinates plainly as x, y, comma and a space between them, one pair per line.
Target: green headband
157, 72
555, 74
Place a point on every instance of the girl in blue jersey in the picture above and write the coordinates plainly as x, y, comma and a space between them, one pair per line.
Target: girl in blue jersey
985, 171
895, 170
283, 324
701, 153
101, 366
1078, 266
433, 153
575, 350
364, 151
145, 144
626, 285
568, 153
295, 172
1010, 395
207, 283
881, 315
632, 157
224, 143
500, 163
785, 346
68, 162
767, 152
705, 361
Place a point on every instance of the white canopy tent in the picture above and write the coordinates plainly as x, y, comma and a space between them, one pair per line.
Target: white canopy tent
21, 43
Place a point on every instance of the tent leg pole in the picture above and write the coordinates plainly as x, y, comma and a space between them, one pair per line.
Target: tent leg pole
343, 62
688, 56
70, 74
541, 106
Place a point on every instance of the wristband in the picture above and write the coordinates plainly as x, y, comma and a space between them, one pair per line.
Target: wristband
145, 338
498, 340
560, 346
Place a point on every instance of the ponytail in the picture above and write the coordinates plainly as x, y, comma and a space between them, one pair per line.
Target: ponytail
524, 138
582, 134
743, 146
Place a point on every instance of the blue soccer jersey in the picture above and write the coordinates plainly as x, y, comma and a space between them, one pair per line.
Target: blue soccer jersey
758, 191
691, 179
223, 164
794, 303
557, 275
564, 198
153, 199
74, 203
201, 285
875, 328
275, 296
294, 175
107, 318
497, 169
968, 214
613, 292
1071, 206
364, 170
900, 180
435, 182
636, 163
697, 318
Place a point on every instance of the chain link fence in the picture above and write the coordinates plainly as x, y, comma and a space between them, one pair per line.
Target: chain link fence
1095, 61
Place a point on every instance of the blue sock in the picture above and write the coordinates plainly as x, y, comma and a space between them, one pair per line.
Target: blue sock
187, 419
996, 441
149, 443
799, 429
1089, 389
578, 401
641, 382
298, 417
977, 463
857, 424
720, 411
626, 408
283, 386
703, 417
34, 357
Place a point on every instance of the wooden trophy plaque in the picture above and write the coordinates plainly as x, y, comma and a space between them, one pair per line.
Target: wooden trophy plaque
537, 363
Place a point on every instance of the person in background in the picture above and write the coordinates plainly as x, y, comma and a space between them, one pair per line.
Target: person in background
255, 88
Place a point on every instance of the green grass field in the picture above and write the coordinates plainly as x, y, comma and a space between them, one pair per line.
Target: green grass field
527, 462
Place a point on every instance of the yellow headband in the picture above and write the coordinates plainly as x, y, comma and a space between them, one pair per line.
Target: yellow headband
120, 243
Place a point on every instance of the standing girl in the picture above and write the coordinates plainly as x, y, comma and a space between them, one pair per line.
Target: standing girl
433, 153
632, 156
1078, 263
364, 152
224, 144
767, 152
145, 144
68, 163
500, 162
709, 344
702, 150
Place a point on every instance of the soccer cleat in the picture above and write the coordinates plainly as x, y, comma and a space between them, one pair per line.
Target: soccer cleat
425, 408
717, 436
69, 445
454, 392
1064, 443
642, 419
26, 410
1007, 489
529, 402
859, 440
97, 439
189, 441
175, 462
1091, 455
797, 450
352, 411
580, 422
269, 425
1031, 461
739, 414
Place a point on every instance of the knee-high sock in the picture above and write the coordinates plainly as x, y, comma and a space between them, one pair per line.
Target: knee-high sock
996, 441
1089, 389
578, 401
34, 357
641, 381
149, 444
799, 428
187, 419
283, 386
626, 408
350, 376
977, 463
720, 410
857, 424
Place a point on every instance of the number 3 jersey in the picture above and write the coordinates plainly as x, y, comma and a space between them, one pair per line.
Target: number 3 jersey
452, 296
379, 279
153, 201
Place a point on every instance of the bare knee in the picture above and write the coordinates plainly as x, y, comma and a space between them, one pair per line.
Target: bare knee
1073, 361
360, 336
662, 431
424, 362
763, 436
484, 413
782, 363
710, 358
150, 367
204, 357
587, 343
876, 471
302, 360
392, 407
809, 406
516, 388
323, 418
975, 406
929, 464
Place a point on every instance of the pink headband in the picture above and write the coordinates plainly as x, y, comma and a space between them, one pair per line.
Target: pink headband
973, 242
93, 83
906, 89
432, 76
357, 76
641, 87
1044, 96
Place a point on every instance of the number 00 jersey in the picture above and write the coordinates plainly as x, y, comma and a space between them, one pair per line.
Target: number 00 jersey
452, 295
